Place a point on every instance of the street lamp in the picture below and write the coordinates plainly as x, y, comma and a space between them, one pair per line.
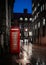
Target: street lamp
26, 19
30, 19
21, 18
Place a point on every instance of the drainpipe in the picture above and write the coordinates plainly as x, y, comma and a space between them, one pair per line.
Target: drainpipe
6, 23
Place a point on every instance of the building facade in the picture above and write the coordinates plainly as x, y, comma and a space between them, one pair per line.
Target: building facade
39, 22
5, 22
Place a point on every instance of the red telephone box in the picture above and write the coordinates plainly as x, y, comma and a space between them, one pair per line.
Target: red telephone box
14, 40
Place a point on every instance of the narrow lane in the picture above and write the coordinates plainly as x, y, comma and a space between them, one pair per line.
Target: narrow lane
29, 55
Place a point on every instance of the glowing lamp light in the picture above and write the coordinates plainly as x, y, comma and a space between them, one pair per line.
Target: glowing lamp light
30, 19
21, 18
26, 19
26, 29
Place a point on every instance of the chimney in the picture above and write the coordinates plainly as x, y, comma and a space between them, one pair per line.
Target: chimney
25, 11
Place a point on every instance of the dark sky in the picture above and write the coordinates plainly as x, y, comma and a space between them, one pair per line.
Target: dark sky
20, 5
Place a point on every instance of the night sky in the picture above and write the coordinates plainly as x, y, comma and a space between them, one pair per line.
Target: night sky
20, 5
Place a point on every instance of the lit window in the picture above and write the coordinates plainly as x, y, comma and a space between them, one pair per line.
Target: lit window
35, 17
33, 12
41, 8
35, 9
21, 18
26, 33
26, 19
33, 5
37, 14
38, 24
43, 21
38, 4
33, 20
31, 39
30, 33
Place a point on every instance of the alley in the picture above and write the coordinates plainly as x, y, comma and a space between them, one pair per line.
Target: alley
29, 55
22, 32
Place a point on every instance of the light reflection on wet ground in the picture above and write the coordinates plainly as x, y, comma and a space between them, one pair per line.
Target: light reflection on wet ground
25, 55
29, 55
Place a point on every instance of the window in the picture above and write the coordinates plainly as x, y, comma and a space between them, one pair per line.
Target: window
32, 12
38, 24
30, 33
43, 31
44, 27
35, 17
33, 5
43, 22
35, 9
41, 8
45, 6
33, 20
38, 4
37, 14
